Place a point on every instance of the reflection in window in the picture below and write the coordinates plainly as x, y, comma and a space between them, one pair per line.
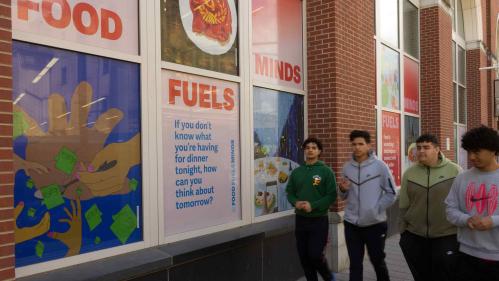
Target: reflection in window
389, 24
411, 29
461, 62
278, 120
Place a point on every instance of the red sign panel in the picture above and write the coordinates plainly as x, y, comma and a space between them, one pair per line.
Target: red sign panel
411, 86
391, 143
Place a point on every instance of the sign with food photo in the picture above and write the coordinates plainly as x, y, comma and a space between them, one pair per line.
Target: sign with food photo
278, 134
200, 33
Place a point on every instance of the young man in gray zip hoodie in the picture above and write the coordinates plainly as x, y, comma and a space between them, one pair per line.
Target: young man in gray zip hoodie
369, 189
472, 205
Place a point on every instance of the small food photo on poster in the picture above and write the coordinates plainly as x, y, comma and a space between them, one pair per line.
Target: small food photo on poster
200, 34
278, 135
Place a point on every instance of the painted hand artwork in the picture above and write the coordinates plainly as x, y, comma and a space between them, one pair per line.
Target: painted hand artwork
77, 153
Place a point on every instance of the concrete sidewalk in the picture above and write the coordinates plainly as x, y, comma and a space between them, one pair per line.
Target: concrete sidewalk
397, 267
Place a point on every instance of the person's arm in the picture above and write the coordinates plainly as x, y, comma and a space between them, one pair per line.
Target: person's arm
403, 204
330, 196
454, 214
291, 190
388, 185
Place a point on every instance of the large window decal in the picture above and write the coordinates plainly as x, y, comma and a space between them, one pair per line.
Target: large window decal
278, 42
200, 152
278, 119
78, 180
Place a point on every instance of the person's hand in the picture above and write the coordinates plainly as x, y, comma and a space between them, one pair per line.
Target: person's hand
473, 221
485, 223
299, 205
306, 207
71, 238
110, 167
28, 233
74, 135
344, 184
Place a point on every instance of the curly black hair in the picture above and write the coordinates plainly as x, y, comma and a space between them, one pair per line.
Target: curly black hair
481, 137
312, 140
360, 134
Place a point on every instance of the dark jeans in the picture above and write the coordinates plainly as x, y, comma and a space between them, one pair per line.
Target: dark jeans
311, 239
430, 258
476, 269
373, 237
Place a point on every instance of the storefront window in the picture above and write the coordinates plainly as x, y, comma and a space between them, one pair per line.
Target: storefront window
111, 24
200, 152
278, 42
411, 29
411, 134
391, 143
390, 78
278, 120
411, 86
78, 179
196, 34
388, 21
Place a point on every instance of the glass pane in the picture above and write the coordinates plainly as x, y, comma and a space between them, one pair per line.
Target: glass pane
460, 20
188, 37
412, 132
278, 42
390, 78
278, 134
456, 105
388, 21
462, 105
77, 148
461, 60
200, 128
454, 78
411, 29
411, 86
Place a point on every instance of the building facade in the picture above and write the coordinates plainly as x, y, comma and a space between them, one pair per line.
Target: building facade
153, 140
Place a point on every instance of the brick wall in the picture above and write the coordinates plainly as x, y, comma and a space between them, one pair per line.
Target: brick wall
6, 166
436, 76
476, 88
341, 74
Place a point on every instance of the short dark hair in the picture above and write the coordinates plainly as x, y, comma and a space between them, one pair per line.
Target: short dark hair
428, 138
312, 140
481, 138
360, 134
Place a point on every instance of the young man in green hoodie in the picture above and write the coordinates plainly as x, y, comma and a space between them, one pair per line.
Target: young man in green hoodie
311, 189
428, 241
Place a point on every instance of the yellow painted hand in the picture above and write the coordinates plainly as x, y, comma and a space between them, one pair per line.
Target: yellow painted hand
110, 167
28, 233
71, 238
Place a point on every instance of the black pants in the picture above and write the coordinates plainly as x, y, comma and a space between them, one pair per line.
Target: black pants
475, 269
430, 258
311, 239
373, 237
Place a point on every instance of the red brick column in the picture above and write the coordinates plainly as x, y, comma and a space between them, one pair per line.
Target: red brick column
341, 74
437, 105
476, 89
6, 164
